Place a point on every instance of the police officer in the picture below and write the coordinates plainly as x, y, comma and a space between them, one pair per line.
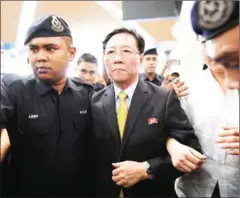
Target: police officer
47, 117
87, 70
218, 23
150, 60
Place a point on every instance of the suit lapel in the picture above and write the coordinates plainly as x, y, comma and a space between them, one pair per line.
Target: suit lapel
139, 99
109, 107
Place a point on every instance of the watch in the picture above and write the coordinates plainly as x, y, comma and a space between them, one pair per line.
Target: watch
150, 174
149, 171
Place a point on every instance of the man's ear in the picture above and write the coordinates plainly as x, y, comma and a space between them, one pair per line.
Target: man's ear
141, 58
72, 53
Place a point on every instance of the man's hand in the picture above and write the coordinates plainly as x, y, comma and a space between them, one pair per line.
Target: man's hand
5, 144
184, 158
228, 139
128, 173
179, 86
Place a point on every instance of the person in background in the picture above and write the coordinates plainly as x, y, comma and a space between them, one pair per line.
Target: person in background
150, 62
106, 77
173, 76
99, 82
87, 70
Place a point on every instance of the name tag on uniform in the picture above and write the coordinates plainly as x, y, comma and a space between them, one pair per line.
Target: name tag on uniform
83, 112
32, 116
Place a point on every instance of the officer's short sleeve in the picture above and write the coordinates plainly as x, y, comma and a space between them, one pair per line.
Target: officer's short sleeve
7, 105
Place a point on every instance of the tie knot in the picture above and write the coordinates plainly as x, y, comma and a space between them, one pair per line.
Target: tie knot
122, 95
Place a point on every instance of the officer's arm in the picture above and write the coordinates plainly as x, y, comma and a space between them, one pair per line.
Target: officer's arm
5, 144
6, 112
179, 128
178, 125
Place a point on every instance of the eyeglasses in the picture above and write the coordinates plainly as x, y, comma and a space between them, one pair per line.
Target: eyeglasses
124, 52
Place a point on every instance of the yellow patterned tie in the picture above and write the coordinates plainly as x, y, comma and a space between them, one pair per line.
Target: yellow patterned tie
121, 117
122, 112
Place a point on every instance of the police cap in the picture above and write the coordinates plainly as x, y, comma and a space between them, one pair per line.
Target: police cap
152, 51
212, 18
48, 26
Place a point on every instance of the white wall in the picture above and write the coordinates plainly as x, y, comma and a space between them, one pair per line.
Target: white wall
187, 48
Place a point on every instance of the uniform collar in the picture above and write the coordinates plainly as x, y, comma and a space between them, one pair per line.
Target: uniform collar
44, 87
71, 85
156, 77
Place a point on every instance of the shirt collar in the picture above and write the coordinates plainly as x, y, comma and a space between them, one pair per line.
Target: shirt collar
156, 77
71, 85
43, 87
129, 91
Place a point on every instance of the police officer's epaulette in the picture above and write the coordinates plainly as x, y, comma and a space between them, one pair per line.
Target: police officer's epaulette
78, 81
8, 79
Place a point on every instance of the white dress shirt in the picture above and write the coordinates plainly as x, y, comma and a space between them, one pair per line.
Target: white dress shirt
129, 91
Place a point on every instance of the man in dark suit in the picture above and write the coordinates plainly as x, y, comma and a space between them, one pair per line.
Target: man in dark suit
132, 120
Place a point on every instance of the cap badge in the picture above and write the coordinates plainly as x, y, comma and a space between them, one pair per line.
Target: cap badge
56, 24
213, 14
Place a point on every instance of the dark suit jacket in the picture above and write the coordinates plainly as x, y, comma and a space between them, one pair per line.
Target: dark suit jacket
141, 141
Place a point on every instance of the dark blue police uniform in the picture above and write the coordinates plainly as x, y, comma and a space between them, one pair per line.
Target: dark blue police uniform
50, 134
157, 80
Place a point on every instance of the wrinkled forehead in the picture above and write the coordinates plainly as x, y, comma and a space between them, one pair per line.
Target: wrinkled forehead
225, 46
122, 40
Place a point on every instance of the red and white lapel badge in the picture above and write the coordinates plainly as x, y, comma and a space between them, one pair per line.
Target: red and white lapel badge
152, 121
